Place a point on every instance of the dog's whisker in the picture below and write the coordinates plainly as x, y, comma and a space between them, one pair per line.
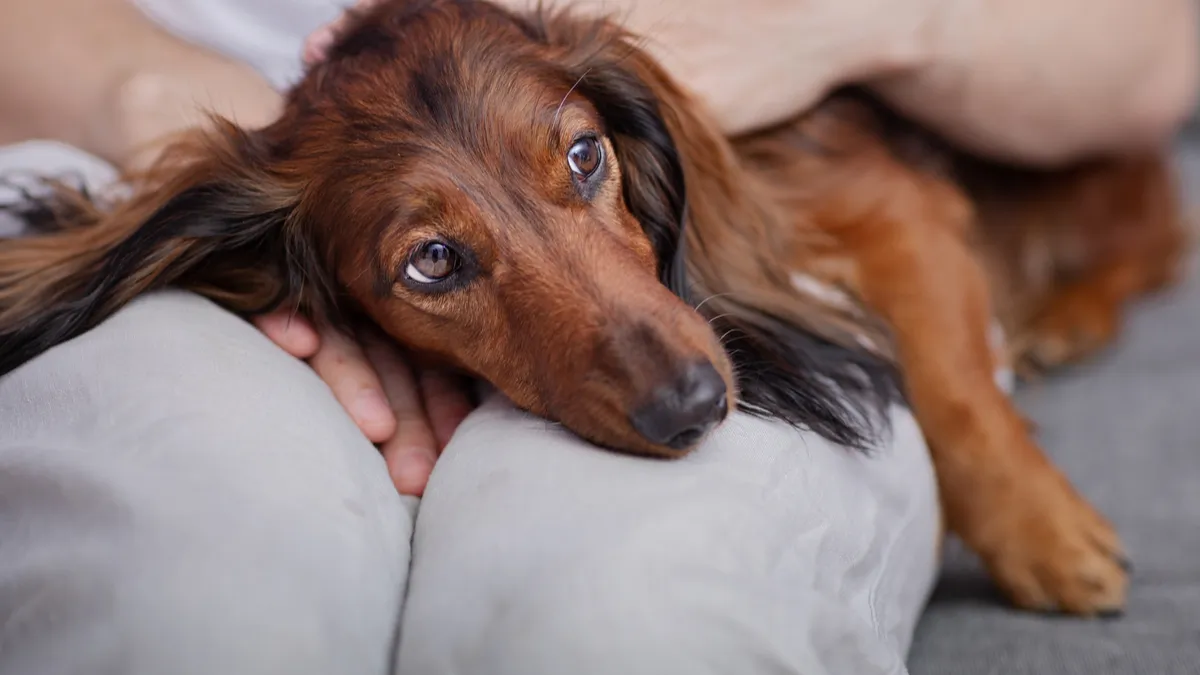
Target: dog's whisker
718, 317
714, 296
567, 95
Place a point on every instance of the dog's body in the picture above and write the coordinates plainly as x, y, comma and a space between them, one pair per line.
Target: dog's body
1052, 258
509, 195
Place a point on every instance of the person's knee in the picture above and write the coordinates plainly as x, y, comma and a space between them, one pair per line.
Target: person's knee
179, 495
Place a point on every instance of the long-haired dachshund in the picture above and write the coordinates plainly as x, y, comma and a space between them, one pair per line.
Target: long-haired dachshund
532, 200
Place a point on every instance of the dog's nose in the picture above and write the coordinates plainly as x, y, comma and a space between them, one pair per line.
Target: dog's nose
681, 413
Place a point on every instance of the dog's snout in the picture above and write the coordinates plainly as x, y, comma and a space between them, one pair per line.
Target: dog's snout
682, 412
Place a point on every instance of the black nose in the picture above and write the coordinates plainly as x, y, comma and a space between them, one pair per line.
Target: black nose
681, 413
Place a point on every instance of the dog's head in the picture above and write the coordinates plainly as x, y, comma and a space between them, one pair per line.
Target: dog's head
498, 192
504, 194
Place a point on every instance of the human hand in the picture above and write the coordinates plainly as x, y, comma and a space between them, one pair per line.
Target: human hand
752, 62
411, 413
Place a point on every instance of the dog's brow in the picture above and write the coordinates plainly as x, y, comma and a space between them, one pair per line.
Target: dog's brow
383, 278
567, 95
437, 86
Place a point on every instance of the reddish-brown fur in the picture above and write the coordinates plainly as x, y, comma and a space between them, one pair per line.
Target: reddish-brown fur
566, 313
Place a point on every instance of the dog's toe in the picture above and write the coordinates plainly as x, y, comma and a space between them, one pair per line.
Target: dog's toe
1058, 554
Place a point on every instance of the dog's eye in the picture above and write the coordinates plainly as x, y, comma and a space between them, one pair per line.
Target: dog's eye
432, 262
585, 156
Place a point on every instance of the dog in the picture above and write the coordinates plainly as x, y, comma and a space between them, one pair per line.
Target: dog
532, 200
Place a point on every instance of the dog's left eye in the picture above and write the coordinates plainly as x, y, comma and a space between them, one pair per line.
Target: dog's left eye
432, 262
585, 156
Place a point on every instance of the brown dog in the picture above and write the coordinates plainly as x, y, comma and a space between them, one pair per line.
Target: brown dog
531, 199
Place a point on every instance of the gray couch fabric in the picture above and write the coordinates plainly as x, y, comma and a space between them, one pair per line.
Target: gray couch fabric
1126, 429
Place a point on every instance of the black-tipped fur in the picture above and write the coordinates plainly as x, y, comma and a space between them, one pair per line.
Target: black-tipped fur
220, 235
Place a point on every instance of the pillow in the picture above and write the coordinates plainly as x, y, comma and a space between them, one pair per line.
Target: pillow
767, 550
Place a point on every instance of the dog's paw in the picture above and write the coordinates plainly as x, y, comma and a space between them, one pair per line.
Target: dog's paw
1051, 551
1072, 327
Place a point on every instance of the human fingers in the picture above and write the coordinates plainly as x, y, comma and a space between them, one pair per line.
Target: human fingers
341, 362
290, 331
447, 403
413, 449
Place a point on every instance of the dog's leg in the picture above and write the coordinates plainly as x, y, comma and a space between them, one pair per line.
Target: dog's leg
1041, 541
1070, 248
1082, 316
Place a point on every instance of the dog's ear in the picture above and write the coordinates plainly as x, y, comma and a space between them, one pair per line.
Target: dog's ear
213, 217
633, 96
787, 367
652, 174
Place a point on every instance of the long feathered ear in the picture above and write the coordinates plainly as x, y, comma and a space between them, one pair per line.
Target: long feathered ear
788, 366
615, 77
652, 173
212, 217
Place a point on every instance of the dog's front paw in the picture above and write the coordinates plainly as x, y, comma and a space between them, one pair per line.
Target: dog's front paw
1073, 326
1049, 550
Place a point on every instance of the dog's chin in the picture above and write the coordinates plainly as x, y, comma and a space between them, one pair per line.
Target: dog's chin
627, 442
617, 439
648, 450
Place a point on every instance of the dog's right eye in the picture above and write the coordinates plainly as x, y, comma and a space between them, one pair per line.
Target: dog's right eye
585, 157
432, 262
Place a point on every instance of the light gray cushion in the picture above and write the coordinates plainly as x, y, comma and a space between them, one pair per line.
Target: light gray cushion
767, 551
178, 495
